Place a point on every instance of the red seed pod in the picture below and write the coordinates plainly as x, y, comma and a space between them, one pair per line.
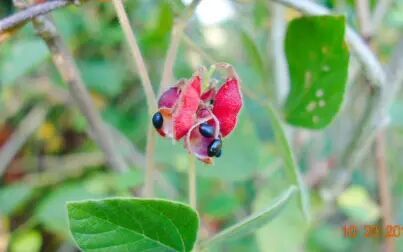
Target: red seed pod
184, 116
227, 105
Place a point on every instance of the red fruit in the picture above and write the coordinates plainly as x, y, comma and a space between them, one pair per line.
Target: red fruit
184, 116
227, 105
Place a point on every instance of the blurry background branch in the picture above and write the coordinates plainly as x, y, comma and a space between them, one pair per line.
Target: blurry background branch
64, 62
20, 18
25, 129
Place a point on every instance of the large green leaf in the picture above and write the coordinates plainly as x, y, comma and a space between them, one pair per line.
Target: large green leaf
289, 161
253, 222
318, 63
133, 225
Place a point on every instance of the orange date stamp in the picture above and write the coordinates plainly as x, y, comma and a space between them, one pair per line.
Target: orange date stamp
373, 231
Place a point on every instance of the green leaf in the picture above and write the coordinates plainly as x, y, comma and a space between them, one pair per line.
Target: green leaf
291, 166
133, 225
21, 57
13, 196
253, 222
318, 63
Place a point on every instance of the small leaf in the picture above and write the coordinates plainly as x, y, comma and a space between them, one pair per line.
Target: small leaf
253, 222
318, 63
291, 166
133, 225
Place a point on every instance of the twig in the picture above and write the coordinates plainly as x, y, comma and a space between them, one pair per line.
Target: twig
192, 182
276, 46
384, 191
176, 36
148, 89
18, 19
371, 64
364, 18
25, 129
150, 171
136, 53
63, 59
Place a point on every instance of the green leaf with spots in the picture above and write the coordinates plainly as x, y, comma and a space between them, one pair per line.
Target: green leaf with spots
133, 225
318, 63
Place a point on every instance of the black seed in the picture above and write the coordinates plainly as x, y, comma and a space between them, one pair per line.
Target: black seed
218, 153
206, 129
158, 120
214, 148
212, 102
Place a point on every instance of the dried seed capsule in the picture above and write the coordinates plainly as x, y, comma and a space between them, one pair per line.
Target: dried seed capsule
206, 129
158, 120
214, 148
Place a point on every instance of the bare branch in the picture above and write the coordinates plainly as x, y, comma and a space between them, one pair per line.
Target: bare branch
25, 129
64, 62
276, 46
364, 18
21, 17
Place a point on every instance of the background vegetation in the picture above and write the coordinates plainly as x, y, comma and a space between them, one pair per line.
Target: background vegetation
56, 160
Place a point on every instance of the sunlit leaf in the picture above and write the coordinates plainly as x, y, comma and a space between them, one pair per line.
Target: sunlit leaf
133, 225
318, 64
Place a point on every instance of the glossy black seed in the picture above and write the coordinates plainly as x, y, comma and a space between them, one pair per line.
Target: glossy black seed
158, 120
214, 148
218, 153
206, 129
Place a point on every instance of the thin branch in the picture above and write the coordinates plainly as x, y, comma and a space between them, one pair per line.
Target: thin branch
150, 171
384, 190
18, 19
176, 36
25, 129
136, 53
276, 46
63, 59
366, 57
192, 182
364, 18
148, 89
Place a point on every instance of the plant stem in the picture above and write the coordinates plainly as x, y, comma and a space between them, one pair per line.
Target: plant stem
192, 183
384, 191
149, 92
150, 171
176, 36
136, 53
